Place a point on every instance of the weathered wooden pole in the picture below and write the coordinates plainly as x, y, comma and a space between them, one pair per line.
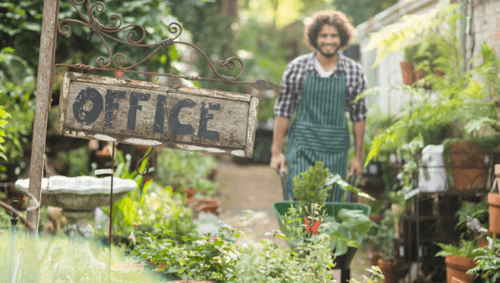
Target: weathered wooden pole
43, 89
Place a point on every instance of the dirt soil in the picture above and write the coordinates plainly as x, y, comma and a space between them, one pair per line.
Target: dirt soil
256, 188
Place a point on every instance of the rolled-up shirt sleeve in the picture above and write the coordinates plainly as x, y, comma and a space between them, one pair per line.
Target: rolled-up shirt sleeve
286, 102
357, 110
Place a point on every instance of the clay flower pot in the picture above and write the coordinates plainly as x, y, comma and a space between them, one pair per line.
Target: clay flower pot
419, 74
208, 205
390, 270
494, 203
407, 72
457, 266
189, 192
374, 256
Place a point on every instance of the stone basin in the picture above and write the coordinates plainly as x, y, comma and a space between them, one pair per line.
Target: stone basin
79, 197
83, 193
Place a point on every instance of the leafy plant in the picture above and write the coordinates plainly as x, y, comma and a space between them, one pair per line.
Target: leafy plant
196, 257
180, 169
309, 186
464, 249
396, 36
376, 274
3, 122
488, 262
266, 262
381, 237
461, 103
479, 211
17, 84
345, 228
151, 207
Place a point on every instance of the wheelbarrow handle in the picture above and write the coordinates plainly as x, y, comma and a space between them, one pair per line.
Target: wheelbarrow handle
283, 184
352, 179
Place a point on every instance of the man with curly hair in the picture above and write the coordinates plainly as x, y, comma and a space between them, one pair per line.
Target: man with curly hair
319, 88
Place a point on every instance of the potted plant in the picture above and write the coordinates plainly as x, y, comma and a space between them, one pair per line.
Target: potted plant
487, 261
345, 224
459, 259
407, 68
494, 205
388, 263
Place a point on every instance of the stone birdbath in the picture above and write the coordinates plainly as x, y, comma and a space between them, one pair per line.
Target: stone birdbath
79, 197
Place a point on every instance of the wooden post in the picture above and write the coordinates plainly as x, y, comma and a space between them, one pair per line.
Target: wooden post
43, 89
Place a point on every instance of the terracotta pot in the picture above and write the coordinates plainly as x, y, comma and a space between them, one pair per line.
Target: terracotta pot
373, 256
456, 280
439, 73
468, 167
407, 72
494, 203
457, 266
419, 74
189, 192
377, 218
390, 270
208, 205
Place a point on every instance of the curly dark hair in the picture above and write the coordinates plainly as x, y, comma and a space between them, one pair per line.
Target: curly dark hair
335, 18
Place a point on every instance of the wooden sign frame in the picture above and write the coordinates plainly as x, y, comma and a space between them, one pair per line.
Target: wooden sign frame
233, 114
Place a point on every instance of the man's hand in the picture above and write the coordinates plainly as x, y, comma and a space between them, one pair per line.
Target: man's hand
356, 166
278, 161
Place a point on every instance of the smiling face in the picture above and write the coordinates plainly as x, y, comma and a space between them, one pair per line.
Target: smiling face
328, 41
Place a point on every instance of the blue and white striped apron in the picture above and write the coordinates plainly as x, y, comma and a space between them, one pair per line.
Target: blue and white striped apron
320, 130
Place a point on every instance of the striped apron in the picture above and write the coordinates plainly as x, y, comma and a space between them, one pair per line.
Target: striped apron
320, 130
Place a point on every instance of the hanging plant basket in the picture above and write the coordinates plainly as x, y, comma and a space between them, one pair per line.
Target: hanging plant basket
468, 166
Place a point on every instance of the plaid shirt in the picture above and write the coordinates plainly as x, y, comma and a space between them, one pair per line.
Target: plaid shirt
293, 81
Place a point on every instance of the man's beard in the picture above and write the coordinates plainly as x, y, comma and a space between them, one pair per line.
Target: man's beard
329, 55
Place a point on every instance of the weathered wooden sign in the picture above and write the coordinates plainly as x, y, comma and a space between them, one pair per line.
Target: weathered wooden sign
145, 113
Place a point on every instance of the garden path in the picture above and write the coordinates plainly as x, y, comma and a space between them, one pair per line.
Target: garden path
257, 187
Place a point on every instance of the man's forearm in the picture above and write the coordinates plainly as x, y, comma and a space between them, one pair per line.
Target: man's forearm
280, 128
359, 133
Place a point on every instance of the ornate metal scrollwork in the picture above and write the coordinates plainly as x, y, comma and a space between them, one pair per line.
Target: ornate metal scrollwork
118, 60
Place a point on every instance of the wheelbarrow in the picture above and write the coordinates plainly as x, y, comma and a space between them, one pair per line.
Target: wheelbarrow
342, 262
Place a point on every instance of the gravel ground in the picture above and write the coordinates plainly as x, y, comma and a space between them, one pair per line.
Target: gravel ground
256, 188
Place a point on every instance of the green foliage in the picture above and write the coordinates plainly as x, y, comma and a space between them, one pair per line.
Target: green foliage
205, 257
480, 211
465, 249
150, 206
266, 262
309, 187
180, 169
346, 230
461, 103
196, 257
17, 84
349, 232
362, 10
381, 237
3, 116
488, 262
50, 249
397, 36
376, 274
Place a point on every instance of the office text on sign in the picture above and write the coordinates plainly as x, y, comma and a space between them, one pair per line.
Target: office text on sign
145, 113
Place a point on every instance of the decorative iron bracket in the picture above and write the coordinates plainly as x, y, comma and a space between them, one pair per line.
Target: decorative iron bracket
118, 60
